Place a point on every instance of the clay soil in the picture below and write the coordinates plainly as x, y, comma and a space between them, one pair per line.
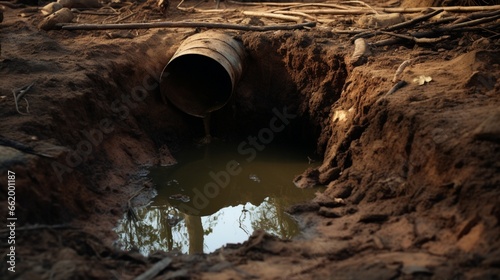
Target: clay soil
411, 179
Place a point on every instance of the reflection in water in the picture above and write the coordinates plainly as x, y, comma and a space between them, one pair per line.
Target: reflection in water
214, 196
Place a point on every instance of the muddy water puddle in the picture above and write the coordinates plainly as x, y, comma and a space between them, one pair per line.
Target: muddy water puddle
216, 195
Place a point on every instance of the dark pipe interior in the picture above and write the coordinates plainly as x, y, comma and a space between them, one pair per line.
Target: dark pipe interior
196, 84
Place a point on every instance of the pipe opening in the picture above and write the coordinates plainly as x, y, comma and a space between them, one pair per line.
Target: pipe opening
196, 84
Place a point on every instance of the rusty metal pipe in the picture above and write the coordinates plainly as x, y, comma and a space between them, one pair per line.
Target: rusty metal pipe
202, 75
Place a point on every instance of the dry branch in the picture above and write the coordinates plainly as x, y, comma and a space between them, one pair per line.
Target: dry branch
416, 39
339, 12
362, 3
477, 15
454, 9
413, 21
400, 70
405, 24
18, 93
474, 22
94, 13
270, 4
166, 24
297, 14
310, 5
271, 15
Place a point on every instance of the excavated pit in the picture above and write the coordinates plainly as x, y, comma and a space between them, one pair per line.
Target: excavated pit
411, 179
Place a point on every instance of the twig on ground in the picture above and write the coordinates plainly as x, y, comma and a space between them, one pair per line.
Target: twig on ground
338, 11
474, 22
21, 147
415, 39
148, 25
18, 93
400, 70
310, 5
396, 87
364, 4
454, 9
413, 21
94, 13
477, 15
271, 15
394, 27
297, 14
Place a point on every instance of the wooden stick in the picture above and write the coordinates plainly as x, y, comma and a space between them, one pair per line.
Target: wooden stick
362, 3
94, 13
413, 21
477, 15
339, 12
155, 269
454, 9
310, 5
271, 4
474, 22
18, 93
351, 32
271, 15
298, 14
167, 24
408, 23
416, 39
422, 35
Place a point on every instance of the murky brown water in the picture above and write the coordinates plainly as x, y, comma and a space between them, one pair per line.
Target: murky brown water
216, 195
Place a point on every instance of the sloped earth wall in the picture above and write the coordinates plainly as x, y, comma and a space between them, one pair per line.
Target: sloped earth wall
417, 171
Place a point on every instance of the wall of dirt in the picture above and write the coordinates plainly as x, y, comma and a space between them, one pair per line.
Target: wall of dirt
427, 153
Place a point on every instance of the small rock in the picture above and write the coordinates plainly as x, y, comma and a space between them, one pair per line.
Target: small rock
64, 15
373, 218
329, 213
380, 20
51, 8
